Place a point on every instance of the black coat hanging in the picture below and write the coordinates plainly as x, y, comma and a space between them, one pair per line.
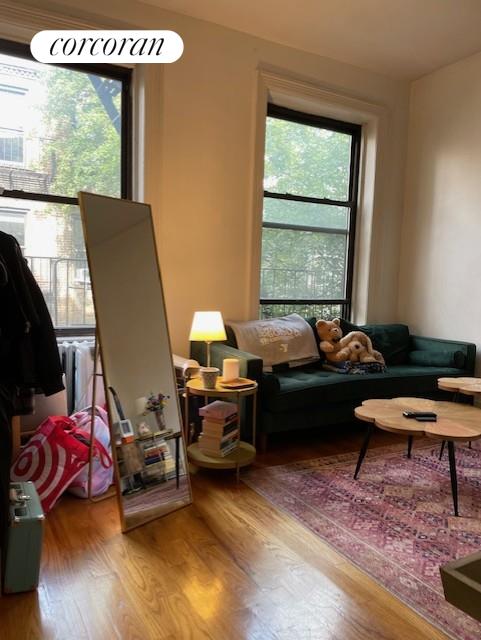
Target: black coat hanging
29, 355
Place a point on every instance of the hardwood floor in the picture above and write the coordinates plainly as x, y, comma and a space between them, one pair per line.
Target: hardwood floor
228, 567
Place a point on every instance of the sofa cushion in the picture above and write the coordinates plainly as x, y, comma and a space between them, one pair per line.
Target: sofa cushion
310, 386
446, 358
392, 340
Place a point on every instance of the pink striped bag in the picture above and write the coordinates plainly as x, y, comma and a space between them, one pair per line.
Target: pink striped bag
52, 458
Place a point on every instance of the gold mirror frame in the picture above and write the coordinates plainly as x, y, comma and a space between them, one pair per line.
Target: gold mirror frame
92, 206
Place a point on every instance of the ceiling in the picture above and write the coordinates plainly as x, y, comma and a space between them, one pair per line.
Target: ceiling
399, 38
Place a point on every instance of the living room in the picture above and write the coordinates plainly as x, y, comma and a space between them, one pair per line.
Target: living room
242, 565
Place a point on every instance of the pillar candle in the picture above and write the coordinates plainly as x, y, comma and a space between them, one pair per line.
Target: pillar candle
230, 369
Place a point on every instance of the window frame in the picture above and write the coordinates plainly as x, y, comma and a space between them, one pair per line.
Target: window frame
355, 131
114, 72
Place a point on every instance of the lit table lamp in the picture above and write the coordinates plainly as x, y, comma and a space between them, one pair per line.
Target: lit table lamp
207, 326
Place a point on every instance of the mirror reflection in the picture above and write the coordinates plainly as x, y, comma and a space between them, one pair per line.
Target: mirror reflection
152, 474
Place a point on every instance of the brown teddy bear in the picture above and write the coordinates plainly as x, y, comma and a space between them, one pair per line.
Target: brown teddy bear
356, 346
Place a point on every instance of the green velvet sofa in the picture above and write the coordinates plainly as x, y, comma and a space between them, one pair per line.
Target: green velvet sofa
308, 396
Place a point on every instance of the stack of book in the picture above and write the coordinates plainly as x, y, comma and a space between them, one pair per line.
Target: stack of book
158, 459
220, 429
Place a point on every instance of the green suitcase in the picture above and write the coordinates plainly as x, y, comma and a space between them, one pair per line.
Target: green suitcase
24, 541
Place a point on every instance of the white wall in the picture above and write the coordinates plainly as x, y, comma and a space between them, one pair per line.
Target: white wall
441, 266
204, 187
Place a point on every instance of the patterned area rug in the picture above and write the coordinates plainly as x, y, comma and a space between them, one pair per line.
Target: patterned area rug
395, 522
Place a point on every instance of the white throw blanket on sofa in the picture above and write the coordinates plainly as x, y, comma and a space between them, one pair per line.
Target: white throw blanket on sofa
289, 339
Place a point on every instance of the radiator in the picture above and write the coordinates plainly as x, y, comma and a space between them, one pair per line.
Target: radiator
77, 358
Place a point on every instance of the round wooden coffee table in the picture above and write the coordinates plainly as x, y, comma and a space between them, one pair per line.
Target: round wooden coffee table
473, 389
467, 386
455, 423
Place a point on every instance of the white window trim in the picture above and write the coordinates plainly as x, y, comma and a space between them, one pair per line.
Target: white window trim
300, 95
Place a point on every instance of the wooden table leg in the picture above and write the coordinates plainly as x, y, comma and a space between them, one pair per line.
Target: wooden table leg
452, 472
442, 449
364, 447
410, 445
186, 417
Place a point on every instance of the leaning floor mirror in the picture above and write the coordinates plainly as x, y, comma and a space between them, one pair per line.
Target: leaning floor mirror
146, 428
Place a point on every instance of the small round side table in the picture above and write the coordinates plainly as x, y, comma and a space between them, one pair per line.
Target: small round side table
456, 385
245, 453
465, 385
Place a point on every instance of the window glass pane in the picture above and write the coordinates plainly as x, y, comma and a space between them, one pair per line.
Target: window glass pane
52, 241
12, 221
11, 146
305, 160
319, 311
303, 264
305, 213
59, 129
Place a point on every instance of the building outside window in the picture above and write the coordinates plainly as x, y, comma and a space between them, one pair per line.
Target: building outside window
310, 194
62, 130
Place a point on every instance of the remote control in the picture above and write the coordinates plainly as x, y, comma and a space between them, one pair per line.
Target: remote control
426, 418
419, 414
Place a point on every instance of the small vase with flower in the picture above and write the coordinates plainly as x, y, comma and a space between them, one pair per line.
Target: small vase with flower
155, 404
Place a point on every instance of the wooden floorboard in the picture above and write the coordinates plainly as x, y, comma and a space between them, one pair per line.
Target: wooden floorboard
229, 567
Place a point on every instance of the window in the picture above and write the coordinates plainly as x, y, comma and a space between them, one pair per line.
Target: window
62, 130
310, 193
12, 221
11, 146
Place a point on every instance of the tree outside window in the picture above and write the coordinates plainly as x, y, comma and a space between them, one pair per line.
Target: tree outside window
70, 124
310, 192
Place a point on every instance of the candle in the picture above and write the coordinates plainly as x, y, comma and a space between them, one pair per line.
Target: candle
230, 369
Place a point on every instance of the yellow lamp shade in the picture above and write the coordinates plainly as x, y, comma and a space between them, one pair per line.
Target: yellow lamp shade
207, 326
